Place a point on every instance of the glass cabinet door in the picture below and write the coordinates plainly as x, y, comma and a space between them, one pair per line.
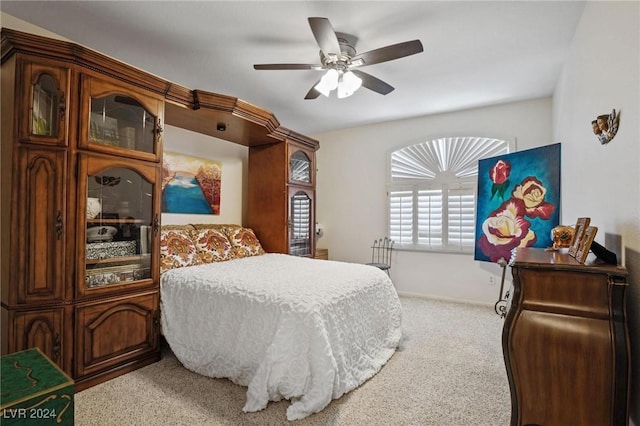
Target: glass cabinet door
300, 222
120, 120
44, 106
121, 220
46, 97
300, 167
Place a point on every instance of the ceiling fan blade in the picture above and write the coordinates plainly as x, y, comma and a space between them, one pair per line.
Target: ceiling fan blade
313, 93
373, 83
325, 36
287, 67
388, 53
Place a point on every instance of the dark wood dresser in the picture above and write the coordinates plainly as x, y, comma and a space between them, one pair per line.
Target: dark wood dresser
565, 341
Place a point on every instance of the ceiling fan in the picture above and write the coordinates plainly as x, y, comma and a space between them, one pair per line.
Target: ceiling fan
338, 57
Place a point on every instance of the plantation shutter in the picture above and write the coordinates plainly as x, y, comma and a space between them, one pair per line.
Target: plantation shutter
461, 216
401, 216
430, 217
301, 215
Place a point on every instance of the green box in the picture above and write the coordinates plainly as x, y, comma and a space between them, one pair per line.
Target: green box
34, 390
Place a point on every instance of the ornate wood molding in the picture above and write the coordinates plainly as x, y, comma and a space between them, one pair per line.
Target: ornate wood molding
196, 110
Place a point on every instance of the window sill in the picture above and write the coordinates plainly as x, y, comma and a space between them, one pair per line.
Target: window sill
439, 251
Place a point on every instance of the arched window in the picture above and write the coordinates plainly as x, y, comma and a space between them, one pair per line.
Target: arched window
432, 192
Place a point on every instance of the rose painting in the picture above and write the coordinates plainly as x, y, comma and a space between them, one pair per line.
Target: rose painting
518, 202
190, 184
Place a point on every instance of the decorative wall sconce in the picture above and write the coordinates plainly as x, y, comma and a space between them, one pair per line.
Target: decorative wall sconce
605, 126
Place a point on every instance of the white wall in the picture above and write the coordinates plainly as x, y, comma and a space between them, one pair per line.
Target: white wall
352, 203
601, 74
14, 23
234, 159
603, 181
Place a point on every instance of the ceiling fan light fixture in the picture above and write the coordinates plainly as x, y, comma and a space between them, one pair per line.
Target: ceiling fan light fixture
351, 81
328, 82
343, 92
348, 84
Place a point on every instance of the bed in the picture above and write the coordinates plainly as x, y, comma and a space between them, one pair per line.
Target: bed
301, 329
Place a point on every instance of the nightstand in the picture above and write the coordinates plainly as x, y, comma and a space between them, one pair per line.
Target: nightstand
322, 254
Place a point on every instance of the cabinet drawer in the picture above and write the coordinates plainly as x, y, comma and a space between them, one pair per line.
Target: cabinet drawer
115, 331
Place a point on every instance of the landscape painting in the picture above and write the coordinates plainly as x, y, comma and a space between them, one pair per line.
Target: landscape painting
190, 184
518, 202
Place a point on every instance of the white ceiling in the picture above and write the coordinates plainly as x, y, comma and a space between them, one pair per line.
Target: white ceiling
476, 53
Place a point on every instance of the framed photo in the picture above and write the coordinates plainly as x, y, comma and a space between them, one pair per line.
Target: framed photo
581, 226
585, 243
103, 130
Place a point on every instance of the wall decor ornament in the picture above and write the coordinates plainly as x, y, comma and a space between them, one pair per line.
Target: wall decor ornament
518, 202
190, 184
606, 126
562, 237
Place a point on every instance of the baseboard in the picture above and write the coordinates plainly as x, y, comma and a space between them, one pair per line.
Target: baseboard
89, 381
443, 299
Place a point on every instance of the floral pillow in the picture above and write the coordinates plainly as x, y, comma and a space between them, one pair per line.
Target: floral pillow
212, 245
244, 242
176, 249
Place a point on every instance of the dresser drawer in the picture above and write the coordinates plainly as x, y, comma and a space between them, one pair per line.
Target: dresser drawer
565, 292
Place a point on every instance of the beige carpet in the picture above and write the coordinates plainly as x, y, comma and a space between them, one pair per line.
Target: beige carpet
448, 371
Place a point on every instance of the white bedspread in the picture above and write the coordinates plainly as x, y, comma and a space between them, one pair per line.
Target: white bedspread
287, 327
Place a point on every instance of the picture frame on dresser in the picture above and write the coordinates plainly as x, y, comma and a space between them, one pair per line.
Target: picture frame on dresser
581, 226
585, 243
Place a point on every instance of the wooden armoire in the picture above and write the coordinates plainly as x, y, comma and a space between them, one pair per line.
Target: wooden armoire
81, 154
282, 181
